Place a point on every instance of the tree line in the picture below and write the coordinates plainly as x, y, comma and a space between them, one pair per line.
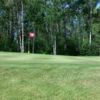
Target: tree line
64, 27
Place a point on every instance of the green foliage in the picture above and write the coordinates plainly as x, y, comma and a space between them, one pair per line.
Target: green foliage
90, 50
63, 26
72, 47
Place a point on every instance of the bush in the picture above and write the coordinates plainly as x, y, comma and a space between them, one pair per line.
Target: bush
90, 50
72, 47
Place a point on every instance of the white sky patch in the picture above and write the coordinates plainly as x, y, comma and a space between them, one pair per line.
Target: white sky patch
98, 6
66, 6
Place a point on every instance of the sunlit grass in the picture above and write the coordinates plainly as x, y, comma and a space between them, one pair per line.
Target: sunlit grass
47, 77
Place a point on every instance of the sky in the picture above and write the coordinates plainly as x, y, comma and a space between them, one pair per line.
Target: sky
98, 5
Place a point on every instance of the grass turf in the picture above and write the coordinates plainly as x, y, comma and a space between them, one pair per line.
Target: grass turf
47, 77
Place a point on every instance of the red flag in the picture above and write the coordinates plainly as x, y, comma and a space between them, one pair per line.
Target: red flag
31, 34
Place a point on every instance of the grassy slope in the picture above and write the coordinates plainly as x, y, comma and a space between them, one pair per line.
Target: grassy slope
46, 77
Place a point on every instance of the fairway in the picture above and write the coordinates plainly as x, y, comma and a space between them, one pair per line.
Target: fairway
48, 77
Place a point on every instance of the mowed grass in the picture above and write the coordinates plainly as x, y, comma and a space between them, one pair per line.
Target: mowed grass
47, 77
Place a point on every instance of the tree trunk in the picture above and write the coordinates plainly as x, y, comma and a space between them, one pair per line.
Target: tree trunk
90, 22
33, 45
65, 31
53, 40
22, 26
90, 38
19, 31
54, 46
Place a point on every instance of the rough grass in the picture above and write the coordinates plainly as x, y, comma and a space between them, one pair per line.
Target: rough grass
47, 77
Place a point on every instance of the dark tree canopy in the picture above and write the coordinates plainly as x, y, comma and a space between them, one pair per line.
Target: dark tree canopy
68, 27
